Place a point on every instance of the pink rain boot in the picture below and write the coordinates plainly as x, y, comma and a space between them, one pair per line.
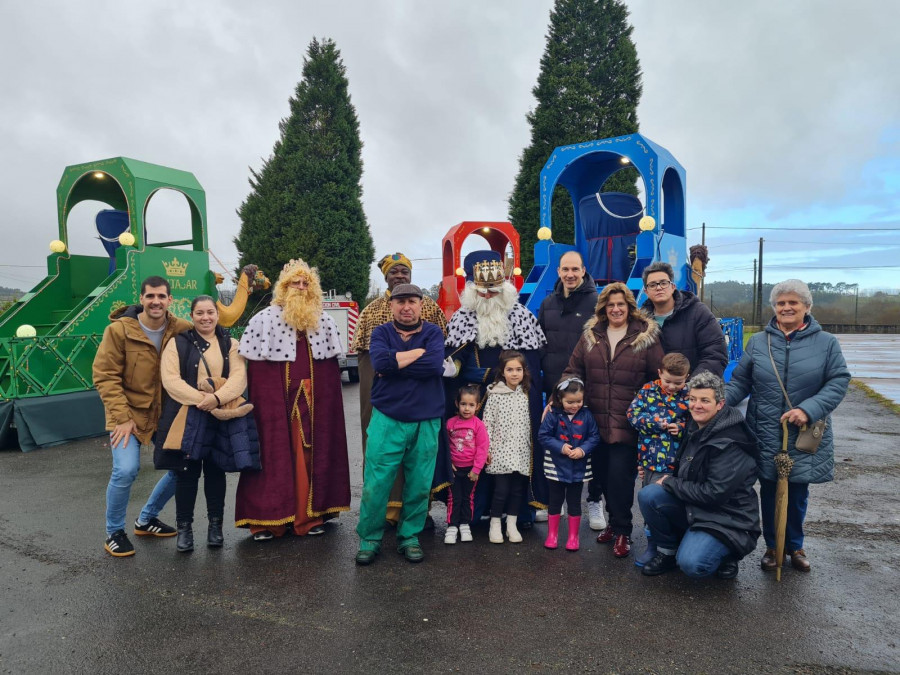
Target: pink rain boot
552, 540
574, 524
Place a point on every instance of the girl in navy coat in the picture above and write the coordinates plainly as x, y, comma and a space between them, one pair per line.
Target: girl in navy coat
568, 434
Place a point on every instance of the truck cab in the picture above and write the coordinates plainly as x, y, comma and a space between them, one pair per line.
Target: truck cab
345, 312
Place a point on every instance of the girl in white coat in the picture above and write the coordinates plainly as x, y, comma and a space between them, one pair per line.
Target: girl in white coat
508, 424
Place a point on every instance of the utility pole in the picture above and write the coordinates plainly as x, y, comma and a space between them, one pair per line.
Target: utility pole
856, 309
753, 315
759, 286
703, 278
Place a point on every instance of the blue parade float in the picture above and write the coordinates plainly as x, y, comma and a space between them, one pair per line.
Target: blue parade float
617, 235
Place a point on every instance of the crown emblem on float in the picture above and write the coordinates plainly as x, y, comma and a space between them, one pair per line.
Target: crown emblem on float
175, 268
488, 274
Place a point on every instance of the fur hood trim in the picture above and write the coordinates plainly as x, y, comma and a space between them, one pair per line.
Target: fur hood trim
645, 332
502, 388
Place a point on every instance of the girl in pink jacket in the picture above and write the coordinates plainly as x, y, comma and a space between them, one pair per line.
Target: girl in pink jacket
468, 453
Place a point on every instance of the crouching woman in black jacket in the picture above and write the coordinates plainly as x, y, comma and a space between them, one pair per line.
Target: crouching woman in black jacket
705, 516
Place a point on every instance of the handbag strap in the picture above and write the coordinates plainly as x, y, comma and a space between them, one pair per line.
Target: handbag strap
202, 358
777, 376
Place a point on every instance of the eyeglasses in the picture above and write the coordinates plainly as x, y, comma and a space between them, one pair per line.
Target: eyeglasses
653, 285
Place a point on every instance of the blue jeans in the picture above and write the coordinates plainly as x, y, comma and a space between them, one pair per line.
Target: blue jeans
699, 554
797, 501
126, 463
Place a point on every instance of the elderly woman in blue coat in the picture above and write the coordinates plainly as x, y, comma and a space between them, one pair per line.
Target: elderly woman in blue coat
812, 369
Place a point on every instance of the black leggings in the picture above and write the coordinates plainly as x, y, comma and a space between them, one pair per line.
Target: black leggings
508, 491
568, 492
459, 506
186, 483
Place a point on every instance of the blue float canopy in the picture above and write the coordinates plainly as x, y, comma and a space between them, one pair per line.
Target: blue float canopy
582, 169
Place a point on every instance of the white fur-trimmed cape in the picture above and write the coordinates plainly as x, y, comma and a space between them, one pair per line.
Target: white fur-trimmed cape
524, 330
269, 338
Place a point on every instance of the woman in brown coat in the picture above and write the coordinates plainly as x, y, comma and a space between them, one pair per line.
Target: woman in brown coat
617, 354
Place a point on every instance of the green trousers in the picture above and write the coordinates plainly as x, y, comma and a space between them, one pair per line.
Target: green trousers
393, 444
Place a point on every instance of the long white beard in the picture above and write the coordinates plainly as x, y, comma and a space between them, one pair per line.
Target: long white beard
492, 313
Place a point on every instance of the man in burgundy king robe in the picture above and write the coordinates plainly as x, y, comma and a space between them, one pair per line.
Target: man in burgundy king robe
292, 350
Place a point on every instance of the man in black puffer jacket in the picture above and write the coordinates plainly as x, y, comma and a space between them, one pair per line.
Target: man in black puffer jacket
688, 326
563, 314
705, 517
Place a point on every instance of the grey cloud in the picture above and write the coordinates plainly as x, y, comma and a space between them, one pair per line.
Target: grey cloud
767, 102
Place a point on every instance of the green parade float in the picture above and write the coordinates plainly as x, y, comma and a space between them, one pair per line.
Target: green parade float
49, 336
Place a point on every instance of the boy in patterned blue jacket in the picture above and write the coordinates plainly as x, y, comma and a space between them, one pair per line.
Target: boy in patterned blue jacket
659, 413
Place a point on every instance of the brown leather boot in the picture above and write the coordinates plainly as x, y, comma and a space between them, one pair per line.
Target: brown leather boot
768, 563
799, 561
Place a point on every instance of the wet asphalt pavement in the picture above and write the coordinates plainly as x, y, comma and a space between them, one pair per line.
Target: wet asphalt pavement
302, 605
872, 359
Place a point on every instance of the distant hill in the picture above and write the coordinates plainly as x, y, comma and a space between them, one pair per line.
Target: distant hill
832, 302
10, 293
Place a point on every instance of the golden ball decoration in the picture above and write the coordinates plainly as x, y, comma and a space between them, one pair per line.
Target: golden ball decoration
517, 271
58, 246
26, 331
460, 272
544, 233
647, 223
126, 239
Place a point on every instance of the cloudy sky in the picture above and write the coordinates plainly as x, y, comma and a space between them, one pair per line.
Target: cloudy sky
786, 117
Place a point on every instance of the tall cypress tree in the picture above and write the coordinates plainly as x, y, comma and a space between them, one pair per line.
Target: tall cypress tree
306, 200
588, 88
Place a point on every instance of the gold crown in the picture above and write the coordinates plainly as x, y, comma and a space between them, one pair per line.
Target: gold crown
292, 266
488, 274
175, 268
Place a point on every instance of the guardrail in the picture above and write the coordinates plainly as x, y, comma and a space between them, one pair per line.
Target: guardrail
874, 329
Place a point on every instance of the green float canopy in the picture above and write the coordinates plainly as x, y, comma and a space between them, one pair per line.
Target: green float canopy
127, 184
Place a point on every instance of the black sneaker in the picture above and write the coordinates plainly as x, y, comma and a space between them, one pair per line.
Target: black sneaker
117, 545
154, 528
728, 569
660, 564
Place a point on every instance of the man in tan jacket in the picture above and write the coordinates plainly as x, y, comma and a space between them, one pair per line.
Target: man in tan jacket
127, 377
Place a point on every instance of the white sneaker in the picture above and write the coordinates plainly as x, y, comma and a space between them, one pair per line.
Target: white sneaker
450, 535
512, 532
495, 534
540, 516
465, 533
596, 518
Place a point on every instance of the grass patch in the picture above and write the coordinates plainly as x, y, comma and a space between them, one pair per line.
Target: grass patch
875, 396
747, 335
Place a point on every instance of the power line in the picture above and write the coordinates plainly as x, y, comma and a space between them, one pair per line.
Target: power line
736, 243
802, 229
850, 267
816, 243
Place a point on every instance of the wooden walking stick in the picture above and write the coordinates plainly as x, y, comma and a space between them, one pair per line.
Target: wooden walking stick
783, 465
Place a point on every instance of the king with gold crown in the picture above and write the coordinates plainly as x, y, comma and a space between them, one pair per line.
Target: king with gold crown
292, 349
492, 320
